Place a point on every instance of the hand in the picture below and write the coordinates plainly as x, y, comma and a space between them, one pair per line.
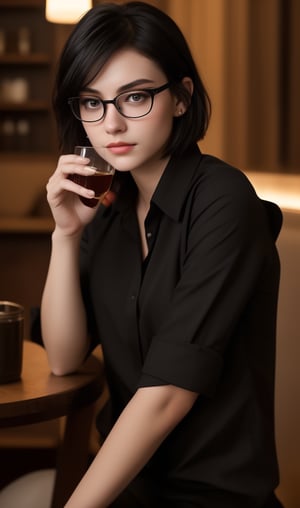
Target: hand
69, 213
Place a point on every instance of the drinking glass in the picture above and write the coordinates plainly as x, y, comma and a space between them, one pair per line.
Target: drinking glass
100, 181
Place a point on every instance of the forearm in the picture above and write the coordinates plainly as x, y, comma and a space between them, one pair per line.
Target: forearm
62, 312
146, 421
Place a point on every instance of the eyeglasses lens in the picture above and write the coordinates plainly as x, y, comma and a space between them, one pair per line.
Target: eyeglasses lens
129, 104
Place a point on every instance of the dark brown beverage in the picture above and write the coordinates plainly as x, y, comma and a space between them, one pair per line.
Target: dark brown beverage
99, 182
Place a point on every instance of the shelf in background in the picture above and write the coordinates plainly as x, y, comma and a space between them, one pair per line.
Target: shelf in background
31, 105
29, 59
26, 225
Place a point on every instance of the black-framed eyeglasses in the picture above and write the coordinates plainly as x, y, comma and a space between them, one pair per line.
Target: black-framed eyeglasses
131, 104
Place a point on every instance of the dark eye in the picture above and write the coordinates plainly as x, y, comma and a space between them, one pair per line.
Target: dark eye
90, 103
136, 97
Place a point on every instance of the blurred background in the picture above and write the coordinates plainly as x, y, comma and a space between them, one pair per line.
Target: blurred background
248, 53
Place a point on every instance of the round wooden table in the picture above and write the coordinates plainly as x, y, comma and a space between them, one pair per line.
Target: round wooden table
40, 395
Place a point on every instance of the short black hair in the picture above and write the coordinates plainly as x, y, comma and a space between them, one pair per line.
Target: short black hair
104, 30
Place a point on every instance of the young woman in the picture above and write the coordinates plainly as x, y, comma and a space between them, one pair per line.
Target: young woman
175, 273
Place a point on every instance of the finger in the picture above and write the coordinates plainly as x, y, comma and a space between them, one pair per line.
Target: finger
72, 158
73, 169
57, 193
69, 164
73, 186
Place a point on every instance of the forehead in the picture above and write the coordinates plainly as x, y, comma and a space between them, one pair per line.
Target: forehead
126, 66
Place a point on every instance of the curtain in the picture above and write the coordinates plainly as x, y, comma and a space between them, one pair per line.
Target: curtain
248, 52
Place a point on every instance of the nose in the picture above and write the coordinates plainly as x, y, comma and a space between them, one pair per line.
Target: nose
113, 121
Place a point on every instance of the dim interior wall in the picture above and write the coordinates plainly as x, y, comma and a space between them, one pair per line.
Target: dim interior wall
288, 355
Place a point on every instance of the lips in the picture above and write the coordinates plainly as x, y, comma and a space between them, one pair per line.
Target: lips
120, 148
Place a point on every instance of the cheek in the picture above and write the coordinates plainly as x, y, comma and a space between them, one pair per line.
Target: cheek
161, 123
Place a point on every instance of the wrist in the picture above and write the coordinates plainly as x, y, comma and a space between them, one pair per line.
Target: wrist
61, 235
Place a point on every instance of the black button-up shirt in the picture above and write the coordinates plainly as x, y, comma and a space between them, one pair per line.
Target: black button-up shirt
199, 312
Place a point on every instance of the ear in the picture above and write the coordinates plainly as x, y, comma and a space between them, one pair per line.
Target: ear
181, 103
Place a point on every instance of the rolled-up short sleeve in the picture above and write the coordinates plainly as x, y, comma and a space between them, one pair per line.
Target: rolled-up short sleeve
188, 365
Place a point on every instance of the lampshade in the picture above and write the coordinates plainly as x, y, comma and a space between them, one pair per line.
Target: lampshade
66, 11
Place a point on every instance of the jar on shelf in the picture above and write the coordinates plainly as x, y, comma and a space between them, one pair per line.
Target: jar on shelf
22, 132
8, 132
2, 42
19, 90
24, 41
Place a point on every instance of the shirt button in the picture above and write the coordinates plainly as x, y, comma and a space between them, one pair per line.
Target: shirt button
132, 298
149, 234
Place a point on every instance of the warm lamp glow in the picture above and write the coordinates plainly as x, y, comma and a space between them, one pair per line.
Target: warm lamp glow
66, 11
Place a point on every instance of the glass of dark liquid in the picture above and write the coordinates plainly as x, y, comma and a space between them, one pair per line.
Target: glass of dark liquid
100, 181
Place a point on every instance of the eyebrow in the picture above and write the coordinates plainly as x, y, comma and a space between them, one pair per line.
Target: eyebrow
123, 88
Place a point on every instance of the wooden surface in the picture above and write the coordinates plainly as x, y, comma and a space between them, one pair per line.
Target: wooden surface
42, 396
32, 225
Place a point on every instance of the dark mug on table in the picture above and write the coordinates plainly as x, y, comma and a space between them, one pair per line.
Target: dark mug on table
11, 341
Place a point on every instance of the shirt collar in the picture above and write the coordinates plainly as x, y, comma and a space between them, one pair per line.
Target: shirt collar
171, 191
175, 182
